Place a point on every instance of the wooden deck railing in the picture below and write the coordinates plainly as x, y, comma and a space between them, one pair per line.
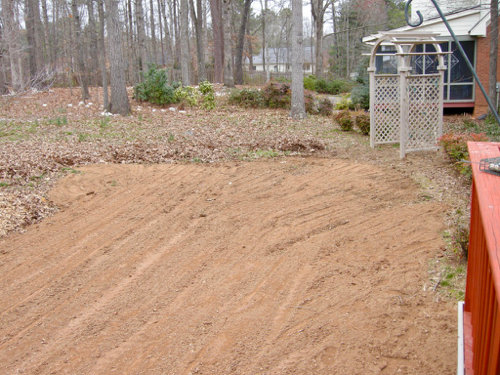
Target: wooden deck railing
482, 294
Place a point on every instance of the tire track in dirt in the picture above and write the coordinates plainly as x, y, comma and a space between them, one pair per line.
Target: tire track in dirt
263, 267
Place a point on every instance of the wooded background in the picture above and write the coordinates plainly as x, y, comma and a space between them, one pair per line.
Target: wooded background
72, 42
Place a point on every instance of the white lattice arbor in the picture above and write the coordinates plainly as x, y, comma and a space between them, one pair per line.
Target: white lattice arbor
406, 107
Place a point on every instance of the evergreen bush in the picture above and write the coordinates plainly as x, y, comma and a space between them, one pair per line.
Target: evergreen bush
155, 88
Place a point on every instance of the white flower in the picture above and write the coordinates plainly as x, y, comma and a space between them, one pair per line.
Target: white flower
71, 105
173, 109
44, 105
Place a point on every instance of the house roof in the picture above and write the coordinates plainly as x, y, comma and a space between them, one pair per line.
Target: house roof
282, 56
471, 22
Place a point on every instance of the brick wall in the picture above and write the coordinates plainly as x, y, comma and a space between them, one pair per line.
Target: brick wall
483, 71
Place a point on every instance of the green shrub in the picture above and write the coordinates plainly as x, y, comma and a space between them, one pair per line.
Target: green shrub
322, 86
333, 86
310, 83
360, 96
345, 103
155, 88
344, 120
363, 123
208, 92
277, 95
247, 98
325, 107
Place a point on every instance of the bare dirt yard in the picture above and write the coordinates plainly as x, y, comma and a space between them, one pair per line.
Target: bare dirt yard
194, 250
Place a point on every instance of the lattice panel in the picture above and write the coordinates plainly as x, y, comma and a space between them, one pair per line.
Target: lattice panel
386, 110
423, 127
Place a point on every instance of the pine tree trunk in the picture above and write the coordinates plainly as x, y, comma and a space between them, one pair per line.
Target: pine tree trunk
177, 38
168, 35
29, 20
298, 107
3, 85
141, 36
119, 98
200, 48
238, 69
218, 36
154, 53
102, 56
264, 14
49, 38
11, 36
160, 28
318, 13
94, 59
184, 24
228, 63
82, 73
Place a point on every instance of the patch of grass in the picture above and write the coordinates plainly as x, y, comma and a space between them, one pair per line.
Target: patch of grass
451, 280
266, 153
35, 178
104, 122
4, 184
70, 170
82, 137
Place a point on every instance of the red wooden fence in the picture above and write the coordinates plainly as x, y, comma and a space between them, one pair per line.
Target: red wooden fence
482, 294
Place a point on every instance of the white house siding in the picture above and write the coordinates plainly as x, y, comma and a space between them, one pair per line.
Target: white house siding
279, 60
428, 9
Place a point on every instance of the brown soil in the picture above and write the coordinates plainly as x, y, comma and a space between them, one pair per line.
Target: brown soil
287, 266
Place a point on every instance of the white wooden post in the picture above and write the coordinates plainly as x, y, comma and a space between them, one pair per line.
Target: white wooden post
371, 72
403, 97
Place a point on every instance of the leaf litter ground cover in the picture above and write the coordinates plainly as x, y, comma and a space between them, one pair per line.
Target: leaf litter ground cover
314, 204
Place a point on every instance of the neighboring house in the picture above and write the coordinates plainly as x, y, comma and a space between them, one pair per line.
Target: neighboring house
471, 26
280, 60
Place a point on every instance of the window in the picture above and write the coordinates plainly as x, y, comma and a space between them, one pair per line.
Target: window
458, 78
386, 61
